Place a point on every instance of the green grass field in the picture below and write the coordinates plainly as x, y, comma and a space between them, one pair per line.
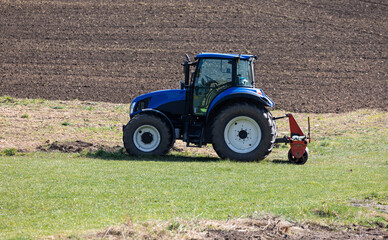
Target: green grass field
344, 182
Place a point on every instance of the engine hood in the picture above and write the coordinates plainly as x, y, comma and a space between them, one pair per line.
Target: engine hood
159, 98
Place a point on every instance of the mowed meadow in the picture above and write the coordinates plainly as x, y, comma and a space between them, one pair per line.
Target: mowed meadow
46, 190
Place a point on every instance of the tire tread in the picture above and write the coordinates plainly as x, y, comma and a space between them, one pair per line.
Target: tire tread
152, 119
269, 125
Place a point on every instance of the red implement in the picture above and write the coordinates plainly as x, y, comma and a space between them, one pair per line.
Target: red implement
298, 153
298, 141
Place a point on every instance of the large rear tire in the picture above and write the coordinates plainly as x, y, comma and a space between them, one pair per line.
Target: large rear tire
243, 132
147, 134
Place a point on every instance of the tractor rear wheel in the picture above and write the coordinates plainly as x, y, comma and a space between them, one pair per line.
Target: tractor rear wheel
243, 132
147, 134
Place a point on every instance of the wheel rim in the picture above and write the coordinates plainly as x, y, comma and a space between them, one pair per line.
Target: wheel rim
146, 138
242, 134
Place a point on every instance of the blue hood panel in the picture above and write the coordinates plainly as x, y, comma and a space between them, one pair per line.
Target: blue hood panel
159, 98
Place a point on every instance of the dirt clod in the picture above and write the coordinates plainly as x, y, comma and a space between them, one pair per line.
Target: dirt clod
75, 147
240, 229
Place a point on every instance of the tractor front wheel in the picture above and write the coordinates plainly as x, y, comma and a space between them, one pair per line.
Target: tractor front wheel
147, 134
243, 132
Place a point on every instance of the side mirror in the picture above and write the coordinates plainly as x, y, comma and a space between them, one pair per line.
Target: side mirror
187, 58
182, 84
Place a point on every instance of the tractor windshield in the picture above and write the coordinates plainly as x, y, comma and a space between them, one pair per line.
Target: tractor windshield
214, 75
219, 71
214, 71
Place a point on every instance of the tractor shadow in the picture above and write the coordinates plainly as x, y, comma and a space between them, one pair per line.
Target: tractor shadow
279, 161
118, 153
121, 155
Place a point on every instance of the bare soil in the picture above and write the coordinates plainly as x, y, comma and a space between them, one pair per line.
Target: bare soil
79, 146
76, 147
314, 56
239, 229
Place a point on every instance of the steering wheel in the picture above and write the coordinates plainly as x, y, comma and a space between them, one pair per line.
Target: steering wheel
209, 81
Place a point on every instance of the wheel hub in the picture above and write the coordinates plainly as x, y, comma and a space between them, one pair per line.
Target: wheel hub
242, 134
147, 138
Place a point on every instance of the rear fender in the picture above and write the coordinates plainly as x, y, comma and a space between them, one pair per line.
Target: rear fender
161, 115
251, 94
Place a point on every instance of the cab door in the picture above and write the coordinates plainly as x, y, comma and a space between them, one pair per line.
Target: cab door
211, 77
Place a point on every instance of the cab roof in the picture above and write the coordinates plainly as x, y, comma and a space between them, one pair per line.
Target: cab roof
224, 55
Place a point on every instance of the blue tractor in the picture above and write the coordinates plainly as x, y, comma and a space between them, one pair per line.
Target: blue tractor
217, 104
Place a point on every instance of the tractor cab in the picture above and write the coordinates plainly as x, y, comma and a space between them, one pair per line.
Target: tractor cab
213, 74
216, 73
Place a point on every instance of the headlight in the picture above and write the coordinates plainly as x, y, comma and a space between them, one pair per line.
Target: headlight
140, 105
133, 104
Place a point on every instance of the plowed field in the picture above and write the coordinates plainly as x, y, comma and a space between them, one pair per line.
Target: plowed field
314, 55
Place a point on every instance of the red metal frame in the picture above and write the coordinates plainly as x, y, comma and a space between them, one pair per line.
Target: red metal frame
298, 147
294, 127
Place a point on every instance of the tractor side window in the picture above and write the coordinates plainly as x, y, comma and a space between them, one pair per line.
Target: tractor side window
244, 74
212, 77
